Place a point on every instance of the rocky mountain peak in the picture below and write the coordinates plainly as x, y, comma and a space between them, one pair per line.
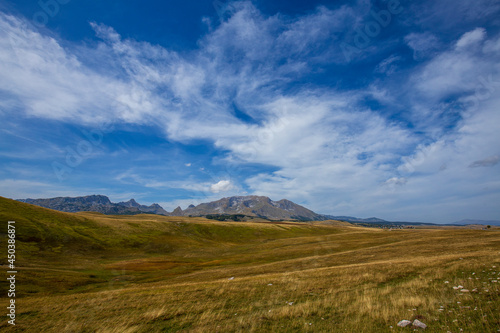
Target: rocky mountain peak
130, 203
177, 212
252, 205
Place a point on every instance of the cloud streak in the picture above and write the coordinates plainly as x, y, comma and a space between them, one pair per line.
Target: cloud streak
487, 162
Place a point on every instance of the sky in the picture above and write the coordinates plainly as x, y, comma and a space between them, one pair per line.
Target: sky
362, 108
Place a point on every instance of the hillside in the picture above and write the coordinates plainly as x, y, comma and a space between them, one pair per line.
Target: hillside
63, 239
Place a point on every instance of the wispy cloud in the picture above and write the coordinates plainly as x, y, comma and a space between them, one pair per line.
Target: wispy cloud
388, 65
487, 162
422, 44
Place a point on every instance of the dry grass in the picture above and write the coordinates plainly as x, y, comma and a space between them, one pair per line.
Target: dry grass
287, 278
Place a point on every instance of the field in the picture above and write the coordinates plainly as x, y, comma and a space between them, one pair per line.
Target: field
88, 272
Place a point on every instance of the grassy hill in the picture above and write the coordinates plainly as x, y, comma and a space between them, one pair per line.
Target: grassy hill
87, 272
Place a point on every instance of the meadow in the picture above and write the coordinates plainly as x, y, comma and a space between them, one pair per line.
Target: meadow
87, 272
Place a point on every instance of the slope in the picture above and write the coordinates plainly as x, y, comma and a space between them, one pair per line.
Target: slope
84, 244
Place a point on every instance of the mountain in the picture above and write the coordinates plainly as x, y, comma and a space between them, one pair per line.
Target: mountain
255, 206
355, 219
483, 222
95, 203
250, 206
153, 209
258, 206
374, 221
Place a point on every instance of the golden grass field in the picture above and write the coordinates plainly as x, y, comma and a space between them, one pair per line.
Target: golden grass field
88, 272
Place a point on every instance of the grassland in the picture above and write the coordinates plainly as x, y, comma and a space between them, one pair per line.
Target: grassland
88, 272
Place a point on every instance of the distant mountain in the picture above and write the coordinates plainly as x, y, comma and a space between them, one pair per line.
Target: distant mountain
257, 206
355, 219
252, 206
375, 221
153, 209
483, 222
95, 203
249, 206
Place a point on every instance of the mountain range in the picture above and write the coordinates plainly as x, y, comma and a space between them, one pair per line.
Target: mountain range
258, 206
254, 206
95, 203
250, 206
483, 222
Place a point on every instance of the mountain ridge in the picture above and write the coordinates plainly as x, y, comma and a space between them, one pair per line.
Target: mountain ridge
254, 206
481, 222
251, 206
94, 203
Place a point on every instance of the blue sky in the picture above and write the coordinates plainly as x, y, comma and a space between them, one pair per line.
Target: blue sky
362, 108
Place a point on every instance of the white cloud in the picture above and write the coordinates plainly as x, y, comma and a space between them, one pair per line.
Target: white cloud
471, 38
222, 186
433, 173
197, 91
395, 181
46, 80
459, 70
